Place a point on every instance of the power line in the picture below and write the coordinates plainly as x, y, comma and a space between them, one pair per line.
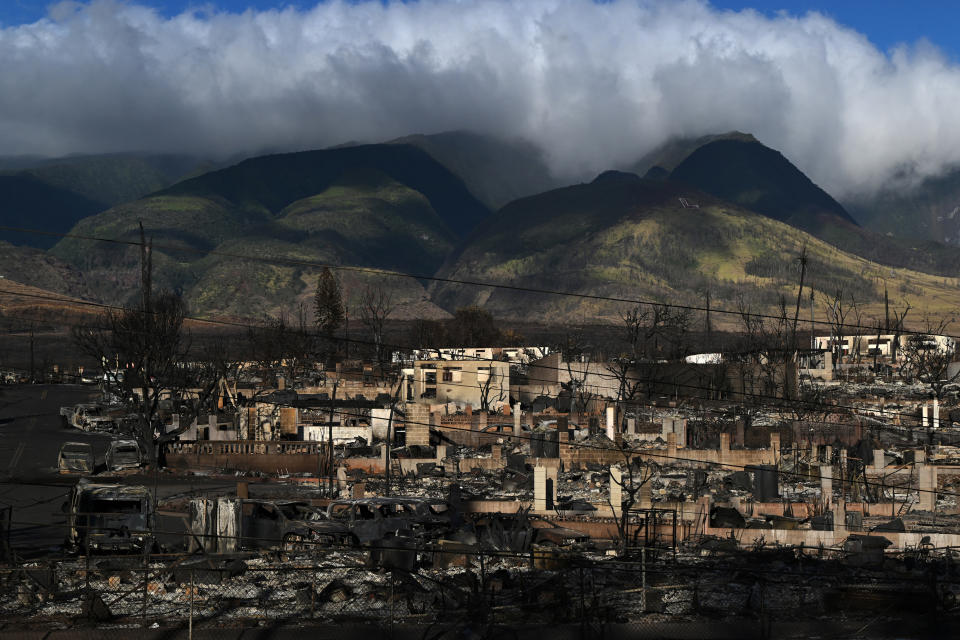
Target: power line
791, 405
587, 445
631, 452
434, 278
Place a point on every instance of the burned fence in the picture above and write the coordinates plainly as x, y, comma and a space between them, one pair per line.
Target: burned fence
456, 587
251, 455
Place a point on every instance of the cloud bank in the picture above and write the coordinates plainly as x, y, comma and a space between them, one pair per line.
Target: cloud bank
594, 85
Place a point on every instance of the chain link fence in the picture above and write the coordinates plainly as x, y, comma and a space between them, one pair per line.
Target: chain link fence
448, 592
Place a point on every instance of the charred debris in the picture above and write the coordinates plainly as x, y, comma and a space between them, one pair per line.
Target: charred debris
678, 484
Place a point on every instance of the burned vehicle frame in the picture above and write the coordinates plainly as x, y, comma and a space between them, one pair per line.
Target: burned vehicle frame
294, 525
75, 457
232, 524
123, 454
87, 416
374, 519
110, 517
520, 531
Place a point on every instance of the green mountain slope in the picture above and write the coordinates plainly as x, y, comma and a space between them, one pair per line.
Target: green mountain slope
382, 206
267, 184
622, 236
738, 168
758, 178
113, 179
26, 202
38, 268
496, 171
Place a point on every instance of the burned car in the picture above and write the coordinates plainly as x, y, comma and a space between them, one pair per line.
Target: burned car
75, 457
232, 524
520, 531
373, 519
110, 517
89, 416
123, 454
293, 524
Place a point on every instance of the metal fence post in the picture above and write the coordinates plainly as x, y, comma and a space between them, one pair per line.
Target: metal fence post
583, 613
392, 581
313, 588
146, 581
192, 589
483, 589
643, 574
86, 572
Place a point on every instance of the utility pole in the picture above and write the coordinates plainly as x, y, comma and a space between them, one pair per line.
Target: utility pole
796, 313
709, 329
333, 401
346, 323
33, 371
886, 307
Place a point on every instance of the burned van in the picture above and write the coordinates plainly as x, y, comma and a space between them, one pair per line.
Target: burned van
231, 524
110, 517
123, 454
75, 457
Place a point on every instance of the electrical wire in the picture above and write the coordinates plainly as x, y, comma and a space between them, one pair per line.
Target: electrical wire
434, 278
791, 405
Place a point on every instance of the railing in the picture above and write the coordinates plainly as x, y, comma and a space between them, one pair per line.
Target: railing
245, 447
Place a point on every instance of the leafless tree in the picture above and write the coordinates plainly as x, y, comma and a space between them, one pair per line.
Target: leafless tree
284, 347
928, 359
856, 318
766, 352
899, 316
152, 349
653, 335
634, 474
624, 369
424, 334
376, 305
491, 390
876, 351
657, 331
802, 262
576, 357
836, 311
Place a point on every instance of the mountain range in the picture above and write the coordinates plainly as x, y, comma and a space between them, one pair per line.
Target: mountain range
722, 213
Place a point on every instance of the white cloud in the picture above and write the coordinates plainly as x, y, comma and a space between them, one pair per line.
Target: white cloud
595, 85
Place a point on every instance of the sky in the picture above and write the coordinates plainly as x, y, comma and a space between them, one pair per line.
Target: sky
858, 94
886, 23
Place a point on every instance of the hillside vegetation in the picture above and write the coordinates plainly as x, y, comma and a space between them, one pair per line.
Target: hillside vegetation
627, 237
110, 180
723, 214
760, 179
738, 168
26, 202
239, 241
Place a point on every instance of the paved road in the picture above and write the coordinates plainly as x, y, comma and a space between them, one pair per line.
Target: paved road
31, 433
